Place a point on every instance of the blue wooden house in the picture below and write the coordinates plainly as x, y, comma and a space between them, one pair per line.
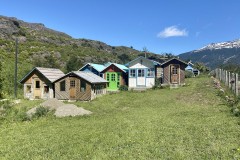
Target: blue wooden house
94, 68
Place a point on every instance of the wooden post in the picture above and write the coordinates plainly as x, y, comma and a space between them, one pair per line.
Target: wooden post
236, 84
229, 79
226, 78
220, 74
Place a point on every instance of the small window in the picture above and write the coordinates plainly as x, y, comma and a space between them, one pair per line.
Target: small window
72, 83
132, 73
174, 70
37, 84
62, 85
141, 73
28, 89
150, 72
46, 89
107, 76
118, 77
113, 77
83, 86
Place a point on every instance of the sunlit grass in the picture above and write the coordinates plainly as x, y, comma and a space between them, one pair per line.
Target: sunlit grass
184, 123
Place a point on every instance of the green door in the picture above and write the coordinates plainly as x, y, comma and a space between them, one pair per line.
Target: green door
114, 80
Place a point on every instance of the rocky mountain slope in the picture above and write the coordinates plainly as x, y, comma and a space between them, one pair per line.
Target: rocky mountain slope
216, 54
44, 47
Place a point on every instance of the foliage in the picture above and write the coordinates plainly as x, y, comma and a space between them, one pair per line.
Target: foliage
157, 84
201, 67
189, 74
41, 111
73, 64
231, 68
123, 88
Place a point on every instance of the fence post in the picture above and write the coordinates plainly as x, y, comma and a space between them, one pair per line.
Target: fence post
229, 79
226, 78
220, 74
236, 83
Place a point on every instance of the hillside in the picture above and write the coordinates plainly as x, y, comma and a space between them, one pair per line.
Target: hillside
216, 54
41, 46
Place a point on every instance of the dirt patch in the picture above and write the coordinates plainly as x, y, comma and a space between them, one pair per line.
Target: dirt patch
52, 104
61, 109
70, 110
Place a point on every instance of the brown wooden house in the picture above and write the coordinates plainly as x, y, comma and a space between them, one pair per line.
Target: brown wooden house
79, 85
172, 71
38, 83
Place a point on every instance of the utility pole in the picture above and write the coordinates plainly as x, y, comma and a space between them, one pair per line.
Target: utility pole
16, 69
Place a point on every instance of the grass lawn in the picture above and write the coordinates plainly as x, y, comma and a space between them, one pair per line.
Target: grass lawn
185, 123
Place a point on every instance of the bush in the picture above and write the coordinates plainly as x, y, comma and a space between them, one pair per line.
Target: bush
189, 74
123, 88
41, 111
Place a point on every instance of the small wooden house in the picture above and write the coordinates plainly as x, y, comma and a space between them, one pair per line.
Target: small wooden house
172, 71
38, 83
141, 73
94, 68
80, 85
191, 68
116, 75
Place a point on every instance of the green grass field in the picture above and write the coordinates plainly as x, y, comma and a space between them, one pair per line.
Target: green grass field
186, 123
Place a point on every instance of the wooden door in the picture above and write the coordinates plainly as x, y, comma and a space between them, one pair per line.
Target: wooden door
174, 73
72, 89
37, 89
141, 78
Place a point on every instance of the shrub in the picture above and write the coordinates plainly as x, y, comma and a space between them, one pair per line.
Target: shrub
41, 111
22, 116
123, 88
189, 74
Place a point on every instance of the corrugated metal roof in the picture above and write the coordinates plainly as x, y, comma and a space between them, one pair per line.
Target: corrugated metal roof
90, 77
49, 73
98, 67
120, 66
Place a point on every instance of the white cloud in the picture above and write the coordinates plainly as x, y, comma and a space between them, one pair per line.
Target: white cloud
172, 31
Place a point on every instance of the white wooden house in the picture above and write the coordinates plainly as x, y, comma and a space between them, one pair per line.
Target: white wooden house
141, 73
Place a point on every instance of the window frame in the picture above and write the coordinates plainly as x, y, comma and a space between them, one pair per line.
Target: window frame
132, 73
63, 87
141, 74
83, 86
150, 72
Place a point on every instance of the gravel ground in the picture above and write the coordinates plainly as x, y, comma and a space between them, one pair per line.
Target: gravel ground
61, 109
70, 110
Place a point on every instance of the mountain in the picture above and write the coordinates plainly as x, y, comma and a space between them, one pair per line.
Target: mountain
216, 54
44, 47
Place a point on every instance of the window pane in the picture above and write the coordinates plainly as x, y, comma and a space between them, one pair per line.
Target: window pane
72, 83
37, 84
83, 86
62, 85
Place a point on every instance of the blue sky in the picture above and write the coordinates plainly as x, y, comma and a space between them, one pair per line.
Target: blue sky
172, 26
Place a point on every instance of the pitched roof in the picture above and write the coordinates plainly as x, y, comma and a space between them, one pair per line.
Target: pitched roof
98, 67
174, 59
50, 74
120, 66
141, 57
88, 76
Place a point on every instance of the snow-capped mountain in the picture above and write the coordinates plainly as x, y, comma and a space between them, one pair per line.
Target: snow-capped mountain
221, 45
216, 54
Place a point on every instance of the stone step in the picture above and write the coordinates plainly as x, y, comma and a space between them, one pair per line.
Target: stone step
174, 86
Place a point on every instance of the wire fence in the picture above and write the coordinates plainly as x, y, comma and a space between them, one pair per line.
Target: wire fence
232, 80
